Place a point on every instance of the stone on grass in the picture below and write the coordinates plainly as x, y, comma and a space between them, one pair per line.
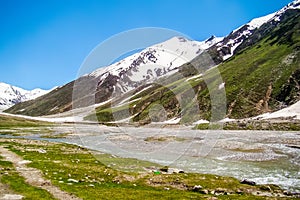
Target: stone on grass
12, 197
248, 182
72, 180
197, 188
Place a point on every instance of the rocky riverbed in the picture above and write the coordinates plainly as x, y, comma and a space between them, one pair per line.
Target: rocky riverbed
266, 157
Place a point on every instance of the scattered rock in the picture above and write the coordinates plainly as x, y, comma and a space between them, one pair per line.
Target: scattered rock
295, 194
293, 146
72, 180
166, 188
266, 188
23, 162
220, 190
204, 191
45, 183
42, 151
174, 171
197, 188
212, 198
248, 182
164, 169
239, 191
12, 197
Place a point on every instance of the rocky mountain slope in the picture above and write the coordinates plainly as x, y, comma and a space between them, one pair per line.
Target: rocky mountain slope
238, 39
124, 76
259, 65
11, 95
262, 77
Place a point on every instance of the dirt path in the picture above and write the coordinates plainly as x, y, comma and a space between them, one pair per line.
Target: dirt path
7, 194
34, 176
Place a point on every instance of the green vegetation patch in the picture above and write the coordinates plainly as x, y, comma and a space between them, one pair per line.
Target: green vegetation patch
9, 122
17, 183
77, 171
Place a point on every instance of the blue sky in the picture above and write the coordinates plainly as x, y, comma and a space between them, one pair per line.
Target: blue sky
44, 42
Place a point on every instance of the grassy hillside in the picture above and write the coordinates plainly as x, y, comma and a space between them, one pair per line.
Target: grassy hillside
263, 77
9, 121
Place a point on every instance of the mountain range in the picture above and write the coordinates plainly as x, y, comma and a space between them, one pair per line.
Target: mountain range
258, 62
11, 95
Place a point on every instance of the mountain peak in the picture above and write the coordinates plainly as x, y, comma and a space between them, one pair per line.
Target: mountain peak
294, 5
11, 95
211, 38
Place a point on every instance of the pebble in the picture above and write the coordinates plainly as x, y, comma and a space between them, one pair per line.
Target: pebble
42, 151
72, 180
197, 188
24, 162
204, 192
12, 197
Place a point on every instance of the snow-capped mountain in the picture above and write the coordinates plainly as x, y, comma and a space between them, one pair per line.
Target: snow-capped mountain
11, 95
151, 63
226, 48
140, 70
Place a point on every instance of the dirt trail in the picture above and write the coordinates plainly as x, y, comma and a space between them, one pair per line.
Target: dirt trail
34, 176
7, 194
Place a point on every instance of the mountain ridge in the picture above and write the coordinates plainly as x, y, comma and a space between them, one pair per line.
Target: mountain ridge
100, 86
11, 95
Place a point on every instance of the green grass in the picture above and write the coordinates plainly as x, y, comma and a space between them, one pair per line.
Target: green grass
16, 183
99, 181
7, 122
262, 125
164, 139
17, 126
54, 136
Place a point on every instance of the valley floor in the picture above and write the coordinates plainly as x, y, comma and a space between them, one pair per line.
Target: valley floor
47, 170
263, 156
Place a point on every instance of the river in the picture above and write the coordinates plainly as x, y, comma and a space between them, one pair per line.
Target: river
261, 156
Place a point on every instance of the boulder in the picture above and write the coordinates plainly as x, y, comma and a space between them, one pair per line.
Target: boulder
248, 182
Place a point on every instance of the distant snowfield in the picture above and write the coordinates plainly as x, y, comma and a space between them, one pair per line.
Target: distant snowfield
46, 119
11, 95
77, 115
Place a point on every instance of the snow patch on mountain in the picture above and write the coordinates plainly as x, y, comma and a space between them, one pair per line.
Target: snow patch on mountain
255, 23
169, 54
293, 5
292, 111
11, 95
151, 63
228, 45
236, 38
